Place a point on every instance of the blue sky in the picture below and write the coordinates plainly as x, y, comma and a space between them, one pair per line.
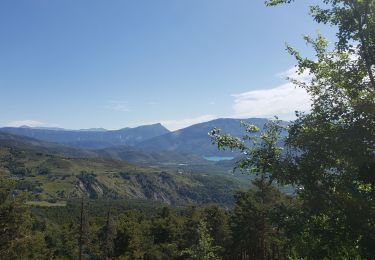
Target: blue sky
95, 63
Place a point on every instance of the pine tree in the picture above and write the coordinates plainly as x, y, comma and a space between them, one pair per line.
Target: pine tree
83, 230
204, 249
108, 236
17, 239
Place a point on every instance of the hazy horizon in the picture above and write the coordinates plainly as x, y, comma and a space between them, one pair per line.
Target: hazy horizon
30, 125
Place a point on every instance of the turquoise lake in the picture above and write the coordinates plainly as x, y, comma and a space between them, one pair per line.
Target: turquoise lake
217, 158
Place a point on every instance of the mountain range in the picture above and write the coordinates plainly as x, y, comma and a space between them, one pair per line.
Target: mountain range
195, 139
90, 138
148, 139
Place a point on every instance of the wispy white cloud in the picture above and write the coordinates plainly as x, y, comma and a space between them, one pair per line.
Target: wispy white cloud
182, 123
30, 123
281, 101
120, 106
294, 74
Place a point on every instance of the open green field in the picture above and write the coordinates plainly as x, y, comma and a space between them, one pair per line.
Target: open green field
46, 204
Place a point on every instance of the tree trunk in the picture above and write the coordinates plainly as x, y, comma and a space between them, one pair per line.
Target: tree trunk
80, 240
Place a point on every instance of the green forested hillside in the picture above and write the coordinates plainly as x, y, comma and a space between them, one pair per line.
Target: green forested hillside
55, 177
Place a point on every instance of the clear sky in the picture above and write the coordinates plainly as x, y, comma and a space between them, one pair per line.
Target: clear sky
99, 63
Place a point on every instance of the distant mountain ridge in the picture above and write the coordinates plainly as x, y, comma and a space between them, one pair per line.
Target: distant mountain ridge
121, 153
195, 139
35, 145
143, 142
91, 138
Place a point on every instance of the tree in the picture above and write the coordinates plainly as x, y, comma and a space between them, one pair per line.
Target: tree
204, 249
356, 30
17, 239
189, 233
217, 220
83, 230
107, 235
256, 224
331, 149
130, 241
62, 240
165, 233
255, 233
